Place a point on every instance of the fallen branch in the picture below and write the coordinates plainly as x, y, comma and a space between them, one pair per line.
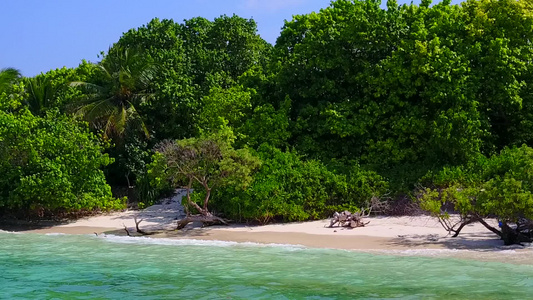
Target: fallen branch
142, 232
126, 229
205, 219
347, 219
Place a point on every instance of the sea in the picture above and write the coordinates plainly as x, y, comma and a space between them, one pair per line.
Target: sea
56, 266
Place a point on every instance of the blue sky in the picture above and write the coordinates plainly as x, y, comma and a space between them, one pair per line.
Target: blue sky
39, 35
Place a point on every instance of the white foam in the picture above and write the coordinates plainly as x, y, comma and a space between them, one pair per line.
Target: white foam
11, 232
444, 252
192, 242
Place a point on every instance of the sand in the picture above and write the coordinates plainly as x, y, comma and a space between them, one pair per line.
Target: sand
401, 235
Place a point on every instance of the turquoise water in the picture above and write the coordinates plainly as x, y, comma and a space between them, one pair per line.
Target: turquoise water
87, 267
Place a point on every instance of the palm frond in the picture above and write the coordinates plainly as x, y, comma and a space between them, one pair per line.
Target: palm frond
128, 76
96, 109
108, 127
121, 121
137, 119
87, 87
41, 93
8, 76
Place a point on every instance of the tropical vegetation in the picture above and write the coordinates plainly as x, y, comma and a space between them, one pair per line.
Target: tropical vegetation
354, 102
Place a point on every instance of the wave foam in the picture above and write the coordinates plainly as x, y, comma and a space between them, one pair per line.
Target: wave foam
11, 232
444, 252
192, 242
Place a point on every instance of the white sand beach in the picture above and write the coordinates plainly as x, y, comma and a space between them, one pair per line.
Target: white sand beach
382, 233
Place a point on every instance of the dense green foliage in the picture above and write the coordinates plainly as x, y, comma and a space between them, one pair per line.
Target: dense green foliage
51, 165
111, 106
53, 90
410, 88
8, 77
501, 186
351, 102
200, 65
203, 164
288, 188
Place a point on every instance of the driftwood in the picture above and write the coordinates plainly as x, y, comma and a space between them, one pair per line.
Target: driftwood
347, 219
139, 230
126, 229
206, 219
142, 232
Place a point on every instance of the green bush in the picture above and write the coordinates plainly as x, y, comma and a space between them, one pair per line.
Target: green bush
51, 165
500, 186
288, 188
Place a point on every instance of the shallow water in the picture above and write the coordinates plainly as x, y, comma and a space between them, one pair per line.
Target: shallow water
87, 267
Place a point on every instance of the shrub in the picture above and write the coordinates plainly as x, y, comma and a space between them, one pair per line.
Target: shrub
500, 186
288, 188
51, 165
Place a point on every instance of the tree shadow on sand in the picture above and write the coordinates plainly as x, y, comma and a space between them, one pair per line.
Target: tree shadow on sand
483, 242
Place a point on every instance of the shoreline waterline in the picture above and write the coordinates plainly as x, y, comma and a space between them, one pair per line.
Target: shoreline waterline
483, 250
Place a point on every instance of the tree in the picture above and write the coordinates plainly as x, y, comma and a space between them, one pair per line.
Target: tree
496, 40
11, 90
206, 163
171, 113
53, 91
201, 62
406, 89
500, 186
266, 125
40, 94
8, 77
322, 63
50, 166
287, 187
111, 105
196, 89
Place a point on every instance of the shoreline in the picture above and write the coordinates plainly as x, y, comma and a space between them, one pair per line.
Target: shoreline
311, 234
416, 235
387, 233
485, 248
381, 234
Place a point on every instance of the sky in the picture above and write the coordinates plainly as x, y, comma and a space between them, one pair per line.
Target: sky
39, 35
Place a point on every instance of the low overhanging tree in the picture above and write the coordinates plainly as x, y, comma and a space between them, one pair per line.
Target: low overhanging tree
499, 187
205, 163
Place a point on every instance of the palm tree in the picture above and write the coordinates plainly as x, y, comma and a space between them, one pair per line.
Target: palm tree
40, 93
8, 76
112, 105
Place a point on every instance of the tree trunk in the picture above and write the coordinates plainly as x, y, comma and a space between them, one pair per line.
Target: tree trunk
458, 230
188, 198
499, 233
509, 235
205, 219
192, 203
207, 195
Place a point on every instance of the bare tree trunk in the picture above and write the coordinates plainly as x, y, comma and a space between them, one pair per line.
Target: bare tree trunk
499, 233
207, 195
512, 236
188, 199
128, 179
139, 230
192, 203
205, 219
126, 229
458, 230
